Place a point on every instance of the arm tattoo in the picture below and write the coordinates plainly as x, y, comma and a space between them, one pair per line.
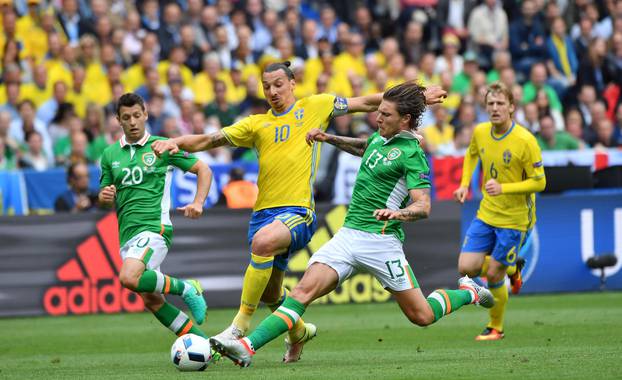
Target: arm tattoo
351, 145
215, 140
419, 209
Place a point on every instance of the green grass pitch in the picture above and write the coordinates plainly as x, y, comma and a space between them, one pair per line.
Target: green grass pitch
576, 336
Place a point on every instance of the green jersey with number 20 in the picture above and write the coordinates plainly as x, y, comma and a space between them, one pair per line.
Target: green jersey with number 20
389, 168
143, 182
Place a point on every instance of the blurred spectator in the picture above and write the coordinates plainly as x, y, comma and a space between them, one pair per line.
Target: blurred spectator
110, 134
168, 33
10, 147
170, 127
34, 157
80, 149
150, 19
47, 111
12, 100
28, 122
194, 56
550, 138
224, 111
134, 34
537, 81
412, 45
453, 16
604, 135
151, 86
501, 60
563, 63
7, 162
586, 98
74, 25
614, 58
488, 28
462, 82
438, 138
462, 139
574, 126
592, 69
531, 118
239, 193
465, 116
38, 90
582, 35
63, 146
449, 61
527, 38
79, 197
544, 108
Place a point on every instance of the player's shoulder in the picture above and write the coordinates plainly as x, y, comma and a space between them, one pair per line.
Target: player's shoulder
482, 128
316, 99
524, 134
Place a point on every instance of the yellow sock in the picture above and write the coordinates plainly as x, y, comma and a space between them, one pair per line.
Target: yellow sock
511, 270
484, 270
255, 281
497, 312
298, 330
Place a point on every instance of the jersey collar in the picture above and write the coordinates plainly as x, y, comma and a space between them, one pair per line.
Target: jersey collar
140, 142
409, 135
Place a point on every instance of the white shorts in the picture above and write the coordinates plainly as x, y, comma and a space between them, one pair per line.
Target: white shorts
352, 251
147, 247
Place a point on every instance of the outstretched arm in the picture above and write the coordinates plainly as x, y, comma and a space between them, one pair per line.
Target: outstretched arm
351, 145
204, 182
190, 143
418, 209
370, 103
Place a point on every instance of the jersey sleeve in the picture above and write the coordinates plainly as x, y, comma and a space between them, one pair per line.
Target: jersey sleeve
417, 171
328, 106
182, 160
241, 133
105, 178
532, 160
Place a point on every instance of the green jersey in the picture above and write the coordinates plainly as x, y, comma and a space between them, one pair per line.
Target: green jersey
389, 168
143, 182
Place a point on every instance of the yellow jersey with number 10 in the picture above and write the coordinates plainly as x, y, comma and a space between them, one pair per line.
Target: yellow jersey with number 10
287, 165
511, 157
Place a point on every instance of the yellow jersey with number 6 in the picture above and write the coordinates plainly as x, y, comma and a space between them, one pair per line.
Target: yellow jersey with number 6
511, 157
287, 165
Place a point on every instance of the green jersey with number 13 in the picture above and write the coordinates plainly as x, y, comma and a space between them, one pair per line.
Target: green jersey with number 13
389, 168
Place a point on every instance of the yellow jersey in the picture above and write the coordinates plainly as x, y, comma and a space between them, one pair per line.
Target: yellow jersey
512, 157
287, 165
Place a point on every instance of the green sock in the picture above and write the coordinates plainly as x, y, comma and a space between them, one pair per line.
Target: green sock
283, 319
444, 302
177, 321
152, 281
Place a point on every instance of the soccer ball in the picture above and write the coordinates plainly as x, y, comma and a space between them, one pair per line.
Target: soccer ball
191, 352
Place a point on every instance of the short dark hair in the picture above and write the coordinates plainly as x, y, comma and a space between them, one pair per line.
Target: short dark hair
129, 100
280, 66
409, 99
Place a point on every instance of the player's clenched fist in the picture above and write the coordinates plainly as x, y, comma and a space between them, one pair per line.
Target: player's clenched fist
107, 194
315, 135
161, 146
192, 210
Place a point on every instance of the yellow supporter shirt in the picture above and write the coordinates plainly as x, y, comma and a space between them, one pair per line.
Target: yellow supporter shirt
512, 157
435, 137
33, 92
186, 73
287, 165
133, 77
96, 86
203, 88
345, 64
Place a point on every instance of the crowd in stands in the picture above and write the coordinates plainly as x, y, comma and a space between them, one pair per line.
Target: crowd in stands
197, 63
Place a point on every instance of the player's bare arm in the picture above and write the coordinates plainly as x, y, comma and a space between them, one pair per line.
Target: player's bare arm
204, 182
106, 196
352, 145
369, 103
418, 209
190, 143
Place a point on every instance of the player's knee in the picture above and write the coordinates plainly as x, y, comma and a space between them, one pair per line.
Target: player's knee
128, 281
495, 275
468, 269
420, 317
263, 245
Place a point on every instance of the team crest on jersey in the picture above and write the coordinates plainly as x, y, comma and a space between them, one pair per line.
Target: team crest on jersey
393, 154
299, 114
149, 158
507, 156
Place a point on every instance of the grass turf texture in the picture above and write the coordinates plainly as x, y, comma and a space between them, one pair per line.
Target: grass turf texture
573, 336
